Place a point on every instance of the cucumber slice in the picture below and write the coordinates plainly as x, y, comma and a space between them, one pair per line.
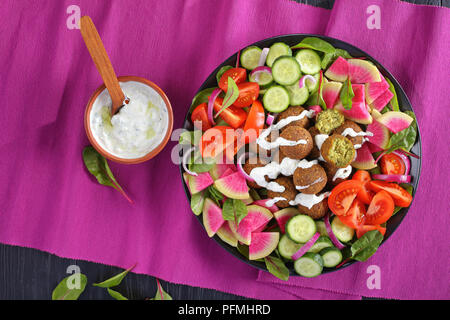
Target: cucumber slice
331, 257
250, 57
309, 61
297, 96
277, 50
264, 81
276, 99
287, 247
301, 228
341, 231
321, 243
309, 265
286, 70
321, 228
313, 87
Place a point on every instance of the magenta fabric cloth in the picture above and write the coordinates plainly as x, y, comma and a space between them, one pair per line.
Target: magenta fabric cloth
50, 202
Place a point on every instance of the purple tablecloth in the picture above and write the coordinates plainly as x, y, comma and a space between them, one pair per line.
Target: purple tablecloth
50, 202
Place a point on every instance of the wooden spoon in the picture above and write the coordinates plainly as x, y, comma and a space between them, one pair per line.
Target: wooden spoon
102, 62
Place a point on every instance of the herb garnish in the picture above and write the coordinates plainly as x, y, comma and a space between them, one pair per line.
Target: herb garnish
347, 94
230, 97
315, 44
363, 248
63, 292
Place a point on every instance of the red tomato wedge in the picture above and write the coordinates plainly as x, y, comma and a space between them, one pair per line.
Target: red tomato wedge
355, 216
365, 228
392, 164
199, 117
216, 140
239, 75
380, 209
342, 196
248, 92
234, 116
401, 197
255, 122
365, 195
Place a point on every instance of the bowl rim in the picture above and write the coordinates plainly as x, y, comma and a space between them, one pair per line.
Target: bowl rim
400, 92
151, 154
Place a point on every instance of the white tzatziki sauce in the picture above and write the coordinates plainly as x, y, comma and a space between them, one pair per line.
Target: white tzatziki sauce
342, 173
137, 128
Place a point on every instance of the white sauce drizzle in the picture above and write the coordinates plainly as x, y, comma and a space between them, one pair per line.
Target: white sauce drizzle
352, 133
308, 200
320, 179
343, 173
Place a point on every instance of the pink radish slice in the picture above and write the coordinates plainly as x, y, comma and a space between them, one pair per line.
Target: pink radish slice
185, 159
302, 83
241, 169
317, 109
306, 247
399, 178
405, 159
333, 238
262, 203
211, 100
270, 119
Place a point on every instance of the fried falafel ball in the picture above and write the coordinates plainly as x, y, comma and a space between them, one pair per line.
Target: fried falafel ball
294, 111
317, 211
338, 151
358, 140
331, 170
310, 180
250, 164
289, 192
315, 152
298, 151
328, 120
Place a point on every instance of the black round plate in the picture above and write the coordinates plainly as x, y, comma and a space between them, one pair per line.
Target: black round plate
404, 104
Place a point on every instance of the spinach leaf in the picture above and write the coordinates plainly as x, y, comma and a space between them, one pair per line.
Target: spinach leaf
201, 97
315, 44
394, 100
200, 167
363, 248
190, 137
230, 97
113, 281
161, 294
63, 292
406, 138
197, 201
215, 194
228, 210
116, 295
277, 267
328, 58
221, 72
97, 165
234, 210
347, 94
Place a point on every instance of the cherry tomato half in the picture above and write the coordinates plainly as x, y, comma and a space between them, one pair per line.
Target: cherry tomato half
355, 216
234, 116
401, 197
215, 140
392, 164
239, 75
365, 195
248, 92
342, 196
199, 117
380, 209
255, 122
365, 228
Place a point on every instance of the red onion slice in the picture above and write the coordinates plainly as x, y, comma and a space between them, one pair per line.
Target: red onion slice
270, 119
399, 178
333, 238
261, 69
211, 100
306, 247
185, 159
302, 83
405, 159
241, 169
263, 57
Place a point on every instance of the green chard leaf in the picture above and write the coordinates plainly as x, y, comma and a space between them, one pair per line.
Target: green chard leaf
234, 210
215, 194
315, 44
116, 295
228, 210
328, 58
221, 72
277, 267
347, 94
161, 294
113, 281
363, 248
197, 201
97, 165
394, 100
68, 290
201, 97
406, 138
230, 97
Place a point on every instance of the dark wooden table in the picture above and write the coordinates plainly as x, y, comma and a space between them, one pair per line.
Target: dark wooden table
31, 274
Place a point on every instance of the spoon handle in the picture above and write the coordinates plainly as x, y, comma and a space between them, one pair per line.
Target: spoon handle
98, 53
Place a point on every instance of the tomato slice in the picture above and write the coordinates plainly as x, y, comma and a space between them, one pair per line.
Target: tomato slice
215, 140
362, 175
365, 195
355, 216
342, 196
380, 209
401, 197
255, 122
234, 116
392, 164
365, 228
199, 117
248, 92
239, 75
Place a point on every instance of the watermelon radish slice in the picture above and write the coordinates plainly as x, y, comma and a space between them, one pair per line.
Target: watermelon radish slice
212, 217
373, 148
330, 93
262, 203
357, 113
395, 121
185, 178
227, 172
256, 219
382, 100
381, 135
226, 234
338, 71
263, 243
284, 215
233, 186
375, 89
358, 90
364, 159
218, 170
199, 182
362, 71
248, 201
